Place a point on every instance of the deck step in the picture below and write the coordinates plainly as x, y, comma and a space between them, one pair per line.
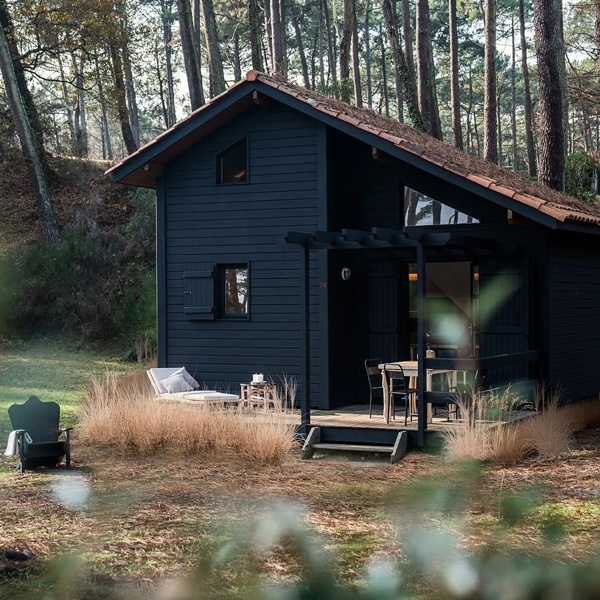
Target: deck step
313, 442
353, 448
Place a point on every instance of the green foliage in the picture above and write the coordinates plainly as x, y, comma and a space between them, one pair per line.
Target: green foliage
94, 286
579, 176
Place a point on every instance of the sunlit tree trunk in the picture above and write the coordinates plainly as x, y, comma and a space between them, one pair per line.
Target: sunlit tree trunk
332, 63
190, 53
29, 144
215, 61
355, 59
276, 41
254, 27
531, 157
121, 98
490, 109
547, 15
368, 54
454, 80
106, 143
300, 44
345, 49
410, 94
408, 42
67, 104
513, 103
33, 115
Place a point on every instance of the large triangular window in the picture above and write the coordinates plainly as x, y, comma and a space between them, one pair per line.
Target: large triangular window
232, 164
420, 209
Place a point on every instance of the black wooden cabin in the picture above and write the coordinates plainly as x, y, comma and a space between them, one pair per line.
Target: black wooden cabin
300, 235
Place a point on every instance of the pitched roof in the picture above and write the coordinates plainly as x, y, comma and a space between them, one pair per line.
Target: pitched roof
508, 183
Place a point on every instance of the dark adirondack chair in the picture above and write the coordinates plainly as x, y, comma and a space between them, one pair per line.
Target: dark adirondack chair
40, 421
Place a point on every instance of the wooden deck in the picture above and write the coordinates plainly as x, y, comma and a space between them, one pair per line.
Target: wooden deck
358, 416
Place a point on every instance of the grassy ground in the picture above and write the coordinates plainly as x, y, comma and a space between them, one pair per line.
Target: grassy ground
53, 371
130, 521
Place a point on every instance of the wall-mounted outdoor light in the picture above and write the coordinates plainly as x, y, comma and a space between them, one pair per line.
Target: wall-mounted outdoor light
346, 273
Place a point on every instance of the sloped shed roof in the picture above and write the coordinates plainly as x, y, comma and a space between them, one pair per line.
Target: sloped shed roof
485, 174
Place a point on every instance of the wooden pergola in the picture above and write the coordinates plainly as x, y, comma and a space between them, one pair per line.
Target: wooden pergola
409, 243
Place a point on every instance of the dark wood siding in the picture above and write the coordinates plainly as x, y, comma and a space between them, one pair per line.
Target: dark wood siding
575, 316
208, 224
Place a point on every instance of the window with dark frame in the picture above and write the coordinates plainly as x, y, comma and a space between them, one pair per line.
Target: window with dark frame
235, 290
232, 164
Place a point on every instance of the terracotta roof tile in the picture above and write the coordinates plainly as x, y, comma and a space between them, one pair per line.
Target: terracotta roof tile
390, 137
483, 181
501, 189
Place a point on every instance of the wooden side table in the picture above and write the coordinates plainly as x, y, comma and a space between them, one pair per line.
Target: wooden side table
257, 394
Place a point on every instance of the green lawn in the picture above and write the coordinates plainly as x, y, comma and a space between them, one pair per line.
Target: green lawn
53, 371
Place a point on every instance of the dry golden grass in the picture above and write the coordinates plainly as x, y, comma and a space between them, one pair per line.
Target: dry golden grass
546, 434
123, 411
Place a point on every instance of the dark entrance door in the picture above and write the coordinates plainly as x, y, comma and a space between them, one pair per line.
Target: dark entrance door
388, 314
505, 289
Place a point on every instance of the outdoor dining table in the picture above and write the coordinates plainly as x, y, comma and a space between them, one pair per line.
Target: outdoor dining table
411, 370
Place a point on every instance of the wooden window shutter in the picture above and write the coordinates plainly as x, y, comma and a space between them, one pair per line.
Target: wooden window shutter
199, 303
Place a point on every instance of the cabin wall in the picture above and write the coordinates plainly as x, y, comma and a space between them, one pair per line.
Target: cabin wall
574, 273
206, 224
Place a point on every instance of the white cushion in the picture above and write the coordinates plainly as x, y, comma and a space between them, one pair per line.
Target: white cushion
190, 380
176, 383
156, 375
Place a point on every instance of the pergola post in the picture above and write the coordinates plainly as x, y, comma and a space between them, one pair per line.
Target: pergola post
421, 341
305, 396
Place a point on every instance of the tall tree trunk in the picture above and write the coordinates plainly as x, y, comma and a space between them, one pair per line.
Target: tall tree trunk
237, 65
80, 121
269, 30
129, 81
33, 115
254, 27
409, 90
300, 43
490, 125
368, 53
597, 33
499, 121
282, 20
513, 103
161, 89
332, 63
215, 61
386, 101
121, 98
67, 103
198, 40
408, 42
531, 157
345, 48
397, 78
106, 145
454, 79
29, 144
320, 48
425, 71
550, 52
167, 16
276, 38
190, 53
355, 59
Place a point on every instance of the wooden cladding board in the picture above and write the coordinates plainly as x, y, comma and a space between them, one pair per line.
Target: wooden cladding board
209, 224
575, 317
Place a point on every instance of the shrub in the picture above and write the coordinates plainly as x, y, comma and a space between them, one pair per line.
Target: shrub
96, 285
547, 433
579, 171
123, 411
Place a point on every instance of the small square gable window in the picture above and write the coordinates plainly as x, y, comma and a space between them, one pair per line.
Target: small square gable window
232, 164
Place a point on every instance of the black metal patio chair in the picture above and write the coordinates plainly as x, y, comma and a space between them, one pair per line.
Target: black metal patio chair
375, 381
36, 425
399, 389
